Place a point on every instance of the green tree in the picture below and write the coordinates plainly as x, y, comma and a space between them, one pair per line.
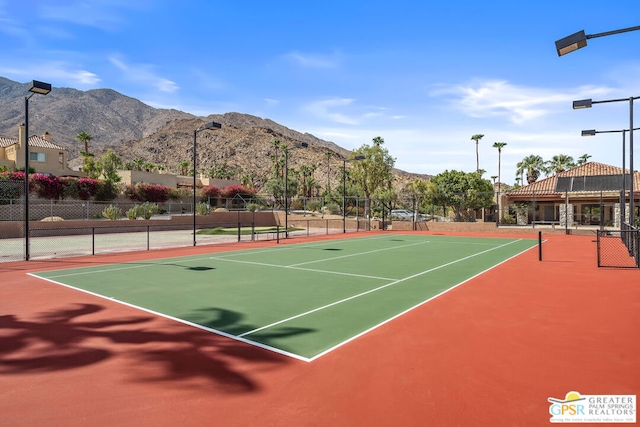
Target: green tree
477, 137
373, 172
108, 165
463, 192
532, 165
419, 192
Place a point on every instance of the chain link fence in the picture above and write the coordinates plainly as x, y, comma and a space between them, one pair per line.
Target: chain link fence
619, 248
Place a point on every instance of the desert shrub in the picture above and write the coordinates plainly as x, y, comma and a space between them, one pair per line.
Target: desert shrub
252, 207
133, 212
147, 210
112, 212
332, 208
177, 193
202, 209
314, 205
296, 204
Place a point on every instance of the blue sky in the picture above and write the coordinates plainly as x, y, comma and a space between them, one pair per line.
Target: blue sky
424, 75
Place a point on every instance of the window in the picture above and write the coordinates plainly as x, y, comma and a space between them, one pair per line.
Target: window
37, 157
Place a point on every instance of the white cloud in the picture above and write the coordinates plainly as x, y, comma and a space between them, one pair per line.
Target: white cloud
58, 73
102, 14
143, 73
326, 109
519, 104
313, 60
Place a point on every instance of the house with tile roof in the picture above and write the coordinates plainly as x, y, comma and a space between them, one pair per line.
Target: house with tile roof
589, 194
44, 156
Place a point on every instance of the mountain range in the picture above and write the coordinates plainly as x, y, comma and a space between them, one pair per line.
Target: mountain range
164, 137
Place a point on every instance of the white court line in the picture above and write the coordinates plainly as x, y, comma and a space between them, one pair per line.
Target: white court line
301, 245
128, 266
374, 290
311, 359
359, 253
264, 264
183, 321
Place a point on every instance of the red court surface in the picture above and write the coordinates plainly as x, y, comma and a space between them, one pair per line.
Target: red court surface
488, 353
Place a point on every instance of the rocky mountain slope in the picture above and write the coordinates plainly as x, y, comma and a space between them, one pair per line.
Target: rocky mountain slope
165, 137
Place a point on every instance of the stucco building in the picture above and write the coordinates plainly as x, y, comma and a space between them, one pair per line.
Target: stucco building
44, 155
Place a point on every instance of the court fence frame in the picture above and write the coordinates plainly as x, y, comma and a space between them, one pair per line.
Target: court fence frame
619, 248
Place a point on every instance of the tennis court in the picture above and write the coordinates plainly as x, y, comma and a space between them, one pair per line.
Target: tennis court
302, 300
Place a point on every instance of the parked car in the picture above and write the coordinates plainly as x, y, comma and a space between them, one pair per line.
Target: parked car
405, 215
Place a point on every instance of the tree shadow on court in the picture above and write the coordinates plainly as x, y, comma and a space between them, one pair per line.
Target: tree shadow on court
63, 339
231, 322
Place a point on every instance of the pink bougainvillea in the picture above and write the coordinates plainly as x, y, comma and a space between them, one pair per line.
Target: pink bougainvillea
232, 190
46, 186
148, 192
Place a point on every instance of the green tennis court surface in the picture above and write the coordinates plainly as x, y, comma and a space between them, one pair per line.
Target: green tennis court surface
302, 300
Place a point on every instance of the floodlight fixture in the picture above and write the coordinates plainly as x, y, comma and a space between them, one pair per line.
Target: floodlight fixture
579, 40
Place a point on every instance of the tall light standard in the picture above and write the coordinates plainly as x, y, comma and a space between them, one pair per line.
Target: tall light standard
579, 40
593, 132
587, 103
210, 125
344, 190
286, 186
42, 89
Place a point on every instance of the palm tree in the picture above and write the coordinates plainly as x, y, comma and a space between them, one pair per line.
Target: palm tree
139, 163
499, 146
184, 167
84, 138
583, 159
532, 165
477, 137
329, 154
559, 163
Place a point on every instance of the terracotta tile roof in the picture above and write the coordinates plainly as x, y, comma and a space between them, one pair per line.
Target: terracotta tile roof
547, 186
34, 141
7, 142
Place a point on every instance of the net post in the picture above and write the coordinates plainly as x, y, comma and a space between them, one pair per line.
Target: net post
539, 245
277, 234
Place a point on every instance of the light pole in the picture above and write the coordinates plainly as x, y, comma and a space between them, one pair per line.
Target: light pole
344, 190
42, 89
286, 186
579, 40
593, 132
587, 103
210, 125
